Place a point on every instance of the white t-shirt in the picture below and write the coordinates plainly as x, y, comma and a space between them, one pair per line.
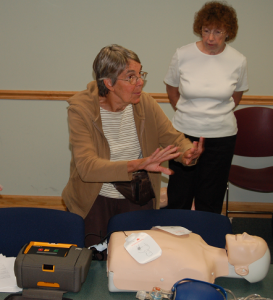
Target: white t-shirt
206, 85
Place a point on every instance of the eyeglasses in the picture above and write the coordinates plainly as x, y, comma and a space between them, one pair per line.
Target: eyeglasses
215, 32
133, 79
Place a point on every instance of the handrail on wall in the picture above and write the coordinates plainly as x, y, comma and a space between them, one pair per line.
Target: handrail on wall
64, 95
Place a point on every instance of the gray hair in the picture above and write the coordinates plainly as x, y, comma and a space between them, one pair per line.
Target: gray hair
110, 63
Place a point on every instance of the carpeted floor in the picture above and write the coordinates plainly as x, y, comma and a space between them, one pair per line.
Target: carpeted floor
255, 226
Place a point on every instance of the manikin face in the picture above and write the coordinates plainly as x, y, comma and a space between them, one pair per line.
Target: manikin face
244, 249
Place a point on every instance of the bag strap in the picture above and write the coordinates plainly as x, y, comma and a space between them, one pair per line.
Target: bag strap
43, 294
195, 280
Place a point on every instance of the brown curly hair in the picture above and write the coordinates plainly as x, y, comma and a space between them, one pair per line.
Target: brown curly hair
218, 14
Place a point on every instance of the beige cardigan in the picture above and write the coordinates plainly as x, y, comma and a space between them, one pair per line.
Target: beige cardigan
90, 164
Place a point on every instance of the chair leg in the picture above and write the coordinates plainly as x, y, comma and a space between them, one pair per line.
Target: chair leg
227, 199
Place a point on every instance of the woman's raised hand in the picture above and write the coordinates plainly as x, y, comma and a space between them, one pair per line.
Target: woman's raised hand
153, 162
191, 156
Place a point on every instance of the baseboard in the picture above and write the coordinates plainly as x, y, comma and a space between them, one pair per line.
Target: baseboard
56, 202
53, 202
249, 206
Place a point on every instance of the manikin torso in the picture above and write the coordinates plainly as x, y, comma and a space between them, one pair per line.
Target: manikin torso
182, 256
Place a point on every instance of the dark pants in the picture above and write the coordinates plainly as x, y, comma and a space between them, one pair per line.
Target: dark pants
102, 210
205, 182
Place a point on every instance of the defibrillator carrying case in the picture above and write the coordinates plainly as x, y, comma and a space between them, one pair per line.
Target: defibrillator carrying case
46, 271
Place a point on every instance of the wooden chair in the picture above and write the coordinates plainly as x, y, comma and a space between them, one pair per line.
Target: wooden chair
254, 139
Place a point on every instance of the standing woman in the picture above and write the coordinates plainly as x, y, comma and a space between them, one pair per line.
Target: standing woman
205, 81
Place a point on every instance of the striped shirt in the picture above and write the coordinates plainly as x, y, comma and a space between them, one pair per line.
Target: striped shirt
120, 131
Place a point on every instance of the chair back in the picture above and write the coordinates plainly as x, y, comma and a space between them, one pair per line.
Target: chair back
255, 132
211, 227
21, 225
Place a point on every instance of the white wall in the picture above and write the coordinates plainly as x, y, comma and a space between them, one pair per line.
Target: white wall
51, 45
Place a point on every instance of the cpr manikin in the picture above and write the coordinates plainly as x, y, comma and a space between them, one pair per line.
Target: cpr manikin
187, 256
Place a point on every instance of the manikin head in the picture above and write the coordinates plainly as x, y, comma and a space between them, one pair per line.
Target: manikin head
249, 255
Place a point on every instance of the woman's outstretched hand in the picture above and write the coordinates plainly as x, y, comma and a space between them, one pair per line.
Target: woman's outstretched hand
153, 162
191, 156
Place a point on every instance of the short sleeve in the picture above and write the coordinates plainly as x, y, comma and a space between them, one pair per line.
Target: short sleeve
172, 77
242, 84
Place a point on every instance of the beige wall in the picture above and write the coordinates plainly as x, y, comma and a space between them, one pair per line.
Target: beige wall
50, 45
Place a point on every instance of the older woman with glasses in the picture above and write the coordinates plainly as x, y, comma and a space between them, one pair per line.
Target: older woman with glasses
205, 81
116, 130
